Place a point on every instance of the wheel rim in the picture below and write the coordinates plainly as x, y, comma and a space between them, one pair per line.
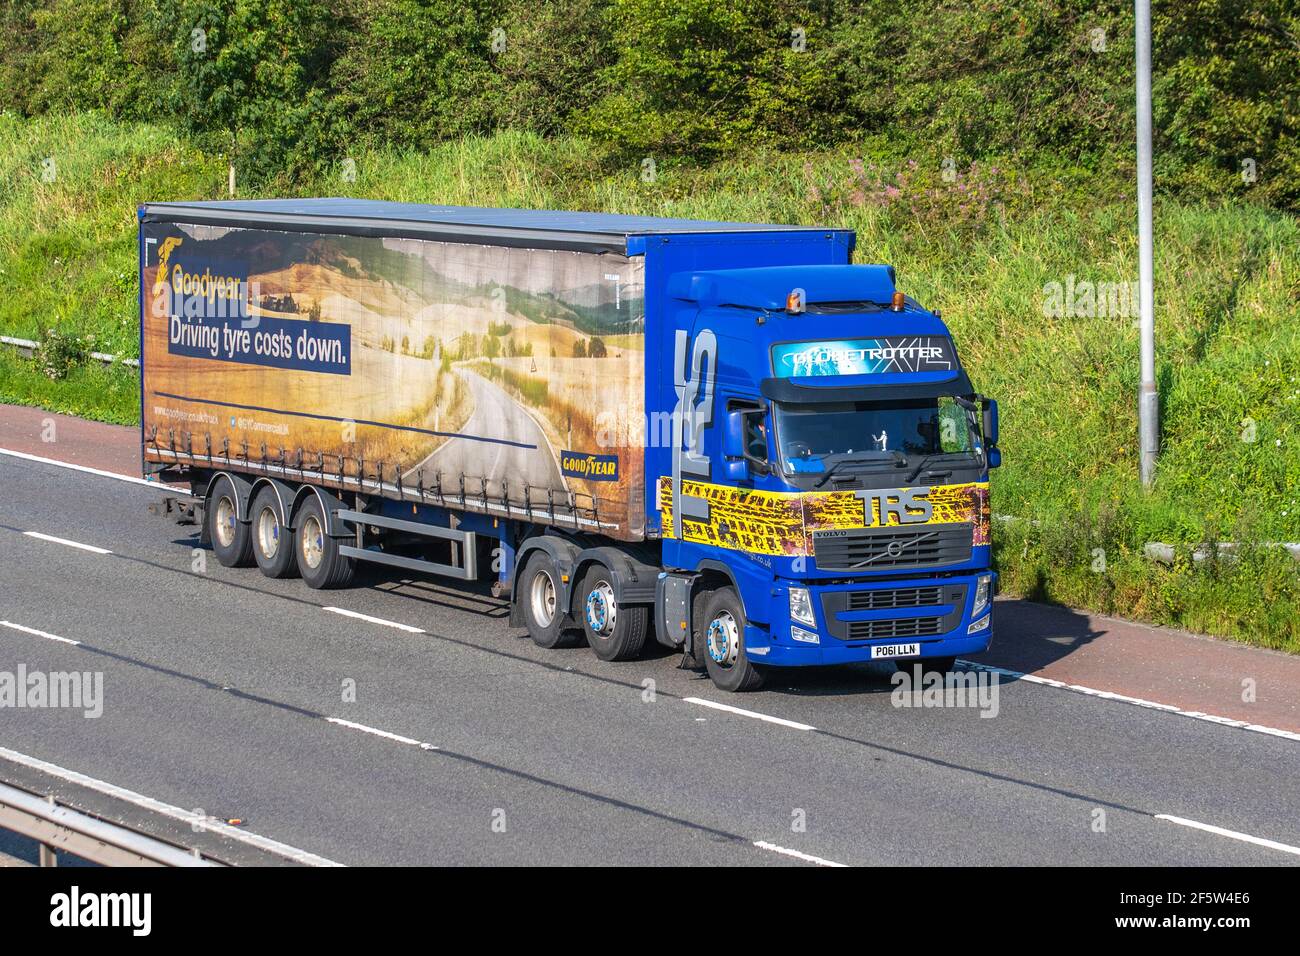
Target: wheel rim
541, 598
724, 639
602, 610
268, 532
313, 542
224, 526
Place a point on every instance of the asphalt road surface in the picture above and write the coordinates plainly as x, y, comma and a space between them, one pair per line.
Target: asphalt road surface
528, 460
228, 693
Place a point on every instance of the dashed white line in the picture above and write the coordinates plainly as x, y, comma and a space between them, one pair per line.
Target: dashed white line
45, 634
375, 731
1136, 701
748, 713
64, 541
93, 471
375, 620
797, 854
167, 810
1231, 834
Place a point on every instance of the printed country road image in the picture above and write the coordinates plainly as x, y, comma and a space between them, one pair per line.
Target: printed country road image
471, 370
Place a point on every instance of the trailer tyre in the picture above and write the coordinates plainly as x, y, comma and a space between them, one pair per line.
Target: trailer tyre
615, 633
232, 542
539, 596
273, 544
723, 630
318, 556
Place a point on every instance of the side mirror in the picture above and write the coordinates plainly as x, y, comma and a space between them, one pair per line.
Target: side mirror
995, 458
990, 422
733, 436
737, 470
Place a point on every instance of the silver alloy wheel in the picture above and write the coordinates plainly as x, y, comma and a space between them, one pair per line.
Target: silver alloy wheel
224, 525
268, 533
724, 639
541, 598
602, 610
313, 542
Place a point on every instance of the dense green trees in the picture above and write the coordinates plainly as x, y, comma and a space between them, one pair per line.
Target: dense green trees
287, 86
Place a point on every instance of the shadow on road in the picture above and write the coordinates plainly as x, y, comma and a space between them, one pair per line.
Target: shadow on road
1028, 636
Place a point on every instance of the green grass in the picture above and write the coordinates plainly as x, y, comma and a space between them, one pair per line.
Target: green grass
982, 249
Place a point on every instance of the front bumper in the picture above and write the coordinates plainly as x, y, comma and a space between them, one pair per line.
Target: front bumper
935, 613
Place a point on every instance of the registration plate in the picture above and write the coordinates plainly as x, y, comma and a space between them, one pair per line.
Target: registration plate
895, 650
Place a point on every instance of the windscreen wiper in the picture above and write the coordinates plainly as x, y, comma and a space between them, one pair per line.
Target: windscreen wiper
925, 461
900, 461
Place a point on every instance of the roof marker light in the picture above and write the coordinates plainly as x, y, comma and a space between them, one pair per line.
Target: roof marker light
794, 302
899, 299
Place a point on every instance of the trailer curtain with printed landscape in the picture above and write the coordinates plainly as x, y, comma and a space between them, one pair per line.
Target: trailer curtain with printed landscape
503, 378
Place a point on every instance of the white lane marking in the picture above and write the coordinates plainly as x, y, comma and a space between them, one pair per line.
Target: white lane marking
1136, 701
786, 851
375, 620
1231, 834
398, 738
65, 541
93, 471
748, 713
167, 810
44, 634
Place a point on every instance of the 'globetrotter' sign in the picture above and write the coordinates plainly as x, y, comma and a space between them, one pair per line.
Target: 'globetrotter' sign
895, 353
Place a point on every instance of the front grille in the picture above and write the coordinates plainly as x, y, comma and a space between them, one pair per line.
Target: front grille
898, 627
894, 547
894, 597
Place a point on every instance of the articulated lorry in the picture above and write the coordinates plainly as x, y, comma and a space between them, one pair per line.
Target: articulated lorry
720, 436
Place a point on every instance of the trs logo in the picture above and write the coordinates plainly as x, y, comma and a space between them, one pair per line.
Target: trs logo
906, 505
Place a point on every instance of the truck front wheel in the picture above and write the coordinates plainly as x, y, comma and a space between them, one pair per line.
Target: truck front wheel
615, 633
539, 596
319, 560
231, 541
723, 631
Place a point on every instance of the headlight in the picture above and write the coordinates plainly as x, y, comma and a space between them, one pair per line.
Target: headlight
983, 590
804, 637
801, 608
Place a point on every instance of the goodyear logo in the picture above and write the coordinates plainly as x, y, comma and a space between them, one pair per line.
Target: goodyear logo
578, 464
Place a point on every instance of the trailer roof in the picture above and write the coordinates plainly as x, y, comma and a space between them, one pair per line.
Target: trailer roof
544, 228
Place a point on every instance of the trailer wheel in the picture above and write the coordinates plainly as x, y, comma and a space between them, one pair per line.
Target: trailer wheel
273, 545
614, 633
231, 541
723, 628
319, 560
539, 594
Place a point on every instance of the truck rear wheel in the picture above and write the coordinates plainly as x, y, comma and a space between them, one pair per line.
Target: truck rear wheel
615, 633
723, 630
539, 596
319, 560
273, 545
231, 541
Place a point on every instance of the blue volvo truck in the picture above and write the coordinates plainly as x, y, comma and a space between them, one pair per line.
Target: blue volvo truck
723, 437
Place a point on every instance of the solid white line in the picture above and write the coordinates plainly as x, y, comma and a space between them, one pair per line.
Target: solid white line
70, 544
786, 851
44, 634
167, 810
1136, 701
398, 738
1232, 834
375, 620
748, 713
93, 471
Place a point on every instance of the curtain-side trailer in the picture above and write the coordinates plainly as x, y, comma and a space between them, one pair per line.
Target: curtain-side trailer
719, 434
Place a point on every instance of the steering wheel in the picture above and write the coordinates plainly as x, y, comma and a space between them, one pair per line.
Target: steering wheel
798, 449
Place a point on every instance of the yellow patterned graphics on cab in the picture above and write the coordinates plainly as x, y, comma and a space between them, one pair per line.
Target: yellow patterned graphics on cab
783, 522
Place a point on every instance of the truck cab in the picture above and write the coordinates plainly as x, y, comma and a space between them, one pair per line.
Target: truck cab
826, 498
